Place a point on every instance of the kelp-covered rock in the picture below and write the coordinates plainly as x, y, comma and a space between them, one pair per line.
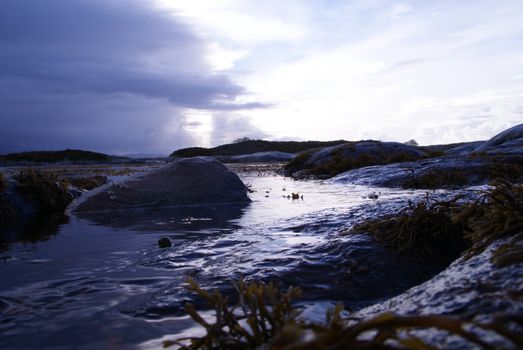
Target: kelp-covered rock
448, 172
190, 181
33, 192
466, 165
468, 287
334, 160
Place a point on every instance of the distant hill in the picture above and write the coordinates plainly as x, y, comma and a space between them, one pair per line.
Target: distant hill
70, 155
254, 146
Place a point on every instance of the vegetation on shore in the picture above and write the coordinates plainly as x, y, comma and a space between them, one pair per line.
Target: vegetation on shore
497, 214
87, 183
254, 146
265, 318
54, 156
339, 164
433, 227
44, 190
7, 213
423, 229
2, 183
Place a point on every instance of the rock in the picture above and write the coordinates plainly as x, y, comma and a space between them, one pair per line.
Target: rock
467, 287
164, 242
465, 165
35, 193
431, 173
199, 180
508, 141
464, 149
334, 160
379, 150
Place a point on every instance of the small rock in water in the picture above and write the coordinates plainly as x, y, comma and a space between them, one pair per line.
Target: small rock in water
164, 242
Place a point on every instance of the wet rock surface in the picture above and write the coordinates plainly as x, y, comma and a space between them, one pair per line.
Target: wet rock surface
443, 172
467, 288
471, 164
508, 141
191, 181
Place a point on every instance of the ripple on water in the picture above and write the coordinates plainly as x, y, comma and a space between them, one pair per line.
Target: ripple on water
107, 272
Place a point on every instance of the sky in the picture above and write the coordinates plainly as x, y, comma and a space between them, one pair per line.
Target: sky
152, 76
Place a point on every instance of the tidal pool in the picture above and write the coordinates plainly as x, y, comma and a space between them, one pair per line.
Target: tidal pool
102, 282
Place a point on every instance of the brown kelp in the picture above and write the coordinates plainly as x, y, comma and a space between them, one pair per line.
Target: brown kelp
261, 313
340, 163
297, 162
425, 228
7, 213
265, 319
2, 183
438, 178
44, 190
498, 213
87, 183
432, 227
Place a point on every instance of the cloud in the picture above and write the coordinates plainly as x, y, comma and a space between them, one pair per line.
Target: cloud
107, 75
227, 128
399, 10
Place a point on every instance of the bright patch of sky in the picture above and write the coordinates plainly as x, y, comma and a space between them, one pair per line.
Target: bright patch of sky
435, 71
152, 76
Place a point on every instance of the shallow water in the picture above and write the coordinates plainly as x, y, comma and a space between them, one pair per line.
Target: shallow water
103, 283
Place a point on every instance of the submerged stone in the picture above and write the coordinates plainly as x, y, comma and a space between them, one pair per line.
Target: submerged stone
164, 242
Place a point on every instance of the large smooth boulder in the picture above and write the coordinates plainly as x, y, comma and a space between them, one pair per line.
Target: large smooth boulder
508, 141
190, 181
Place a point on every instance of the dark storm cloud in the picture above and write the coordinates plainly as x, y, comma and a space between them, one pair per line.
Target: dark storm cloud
107, 75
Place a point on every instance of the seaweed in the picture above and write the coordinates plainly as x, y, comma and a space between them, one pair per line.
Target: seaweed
297, 162
88, 183
497, 214
43, 189
247, 325
2, 183
421, 229
340, 163
509, 253
267, 320
7, 212
438, 178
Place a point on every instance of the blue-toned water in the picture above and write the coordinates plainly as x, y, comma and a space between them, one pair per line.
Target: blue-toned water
102, 282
